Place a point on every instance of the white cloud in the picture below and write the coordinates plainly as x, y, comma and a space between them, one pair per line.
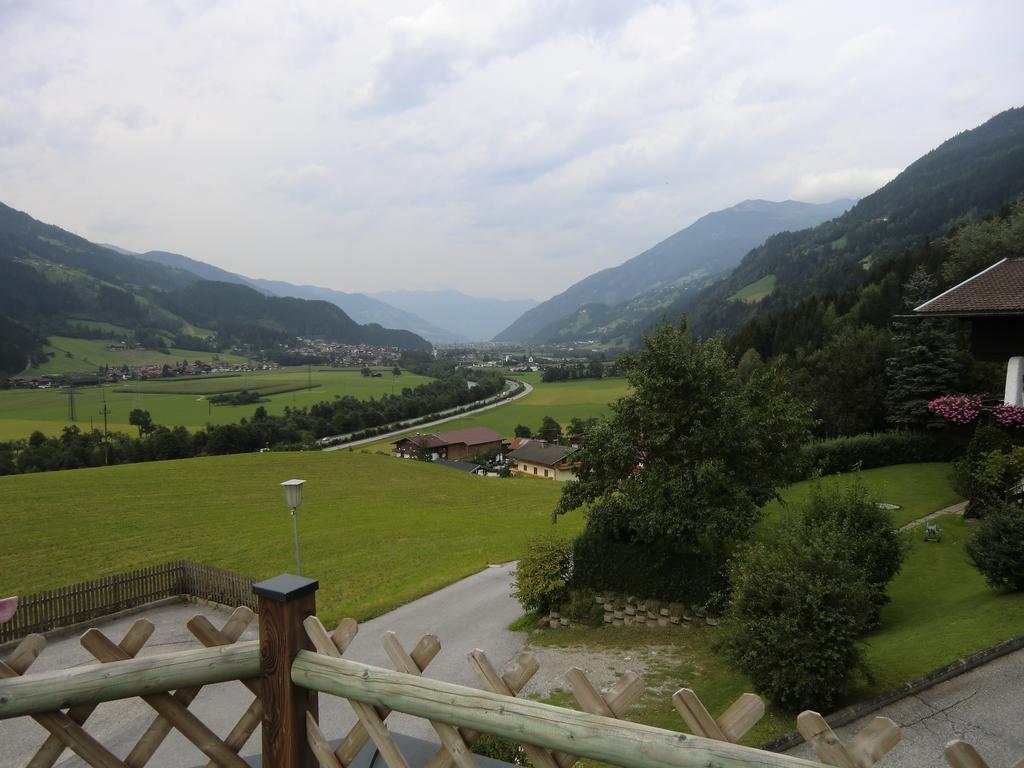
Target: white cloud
843, 182
393, 145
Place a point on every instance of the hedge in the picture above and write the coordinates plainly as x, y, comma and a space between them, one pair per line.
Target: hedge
882, 449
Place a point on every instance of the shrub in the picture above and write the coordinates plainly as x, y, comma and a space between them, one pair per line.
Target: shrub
801, 602
869, 538
881, 449
540, 580
798, 609
997, 548
971, 478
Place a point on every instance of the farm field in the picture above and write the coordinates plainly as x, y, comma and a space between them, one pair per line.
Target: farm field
89, 354
377, 532
941, 610
562, 400
173, 402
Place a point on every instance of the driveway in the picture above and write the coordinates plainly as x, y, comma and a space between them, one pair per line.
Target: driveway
472, 613
984, 707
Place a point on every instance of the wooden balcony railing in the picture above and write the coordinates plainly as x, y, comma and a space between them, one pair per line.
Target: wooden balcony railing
296, 659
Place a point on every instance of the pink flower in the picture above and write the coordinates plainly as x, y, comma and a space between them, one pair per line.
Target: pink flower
1008, 415
958, 409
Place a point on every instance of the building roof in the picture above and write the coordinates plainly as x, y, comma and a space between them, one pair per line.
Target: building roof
462, 466
471, 436
432, 440
519, 442
998, 290
541, 453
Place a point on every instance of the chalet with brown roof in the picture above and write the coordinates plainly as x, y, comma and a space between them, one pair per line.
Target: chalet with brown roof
539, 459
459, 444
993, 302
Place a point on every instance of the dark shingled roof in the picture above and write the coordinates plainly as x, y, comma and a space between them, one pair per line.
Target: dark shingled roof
462, 466
539, 453
998, 290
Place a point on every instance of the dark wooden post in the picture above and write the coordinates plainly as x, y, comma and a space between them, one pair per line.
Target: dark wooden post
284, 603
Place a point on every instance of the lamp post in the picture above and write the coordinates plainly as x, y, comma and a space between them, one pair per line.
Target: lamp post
293, 498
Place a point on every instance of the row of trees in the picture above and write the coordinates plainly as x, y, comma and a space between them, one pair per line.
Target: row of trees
595, 369
551, 431
295, 429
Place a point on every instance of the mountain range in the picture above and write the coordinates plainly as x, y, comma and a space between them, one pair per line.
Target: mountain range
609, 302
477, 318
442, 317
50, 278
972, 174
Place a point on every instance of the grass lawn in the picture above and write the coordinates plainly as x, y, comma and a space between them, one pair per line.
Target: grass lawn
918, 489
941, 610
376, 531
173, 402
562, 400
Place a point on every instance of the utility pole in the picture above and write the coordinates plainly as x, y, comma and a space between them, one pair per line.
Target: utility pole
71, 404
106, 435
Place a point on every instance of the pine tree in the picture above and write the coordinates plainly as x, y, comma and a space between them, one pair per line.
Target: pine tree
925, 360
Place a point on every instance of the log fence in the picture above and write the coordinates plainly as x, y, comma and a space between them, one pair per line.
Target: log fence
297, 658
76, 603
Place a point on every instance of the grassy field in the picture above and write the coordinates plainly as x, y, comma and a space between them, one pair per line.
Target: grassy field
561, 400
755, 291
376, 531
172, 401
941, 610
86, 355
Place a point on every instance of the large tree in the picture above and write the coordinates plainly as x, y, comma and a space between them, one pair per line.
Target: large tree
925, 361
689, 456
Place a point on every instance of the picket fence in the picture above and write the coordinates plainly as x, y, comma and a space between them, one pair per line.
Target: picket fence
87, 600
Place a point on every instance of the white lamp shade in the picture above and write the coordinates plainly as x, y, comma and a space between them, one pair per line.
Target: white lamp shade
293, 492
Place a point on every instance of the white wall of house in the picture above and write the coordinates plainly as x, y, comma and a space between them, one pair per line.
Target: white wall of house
540, 470
1014, 392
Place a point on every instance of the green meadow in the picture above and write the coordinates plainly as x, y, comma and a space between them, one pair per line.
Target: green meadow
376, 531
174, 402
755, 291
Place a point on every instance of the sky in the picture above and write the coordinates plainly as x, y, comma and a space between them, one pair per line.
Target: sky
503, 149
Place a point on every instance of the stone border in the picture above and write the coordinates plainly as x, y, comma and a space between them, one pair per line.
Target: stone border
918, 684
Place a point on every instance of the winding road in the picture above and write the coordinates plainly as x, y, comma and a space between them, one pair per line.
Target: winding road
527, 389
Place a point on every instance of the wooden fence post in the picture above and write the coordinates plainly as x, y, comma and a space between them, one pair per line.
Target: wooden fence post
284, 603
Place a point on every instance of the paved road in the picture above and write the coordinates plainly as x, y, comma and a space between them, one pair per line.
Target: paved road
984, 707
527, 389
472, 613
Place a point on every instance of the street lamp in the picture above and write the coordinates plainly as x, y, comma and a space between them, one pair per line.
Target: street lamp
293, 498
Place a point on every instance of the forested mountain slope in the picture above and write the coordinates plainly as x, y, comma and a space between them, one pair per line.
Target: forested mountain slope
712, 244
971, 174
51, 278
